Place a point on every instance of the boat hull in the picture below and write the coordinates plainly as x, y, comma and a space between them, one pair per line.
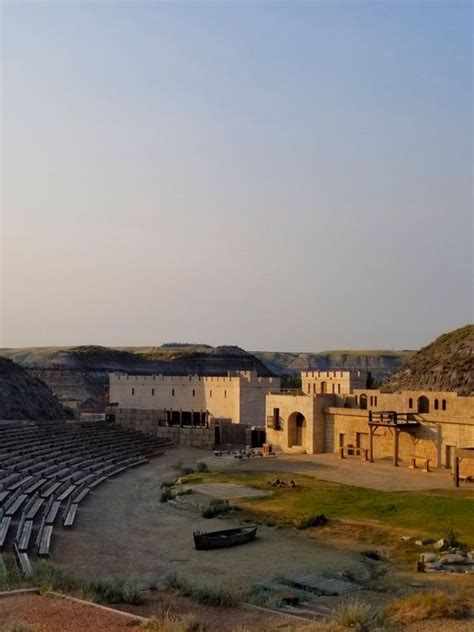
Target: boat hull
224, 539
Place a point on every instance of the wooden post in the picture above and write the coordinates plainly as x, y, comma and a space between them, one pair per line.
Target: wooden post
371, 443
395, 446
456, 471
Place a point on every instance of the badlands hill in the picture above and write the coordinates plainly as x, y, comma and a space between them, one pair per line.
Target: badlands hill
81, 373
380, 363
24, 397
447, 364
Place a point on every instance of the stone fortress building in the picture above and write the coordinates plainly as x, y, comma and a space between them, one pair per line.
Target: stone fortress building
332, 412
401, 426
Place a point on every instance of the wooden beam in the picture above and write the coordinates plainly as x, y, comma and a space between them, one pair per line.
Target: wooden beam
371, 443
466, 453
395, 447
456, 471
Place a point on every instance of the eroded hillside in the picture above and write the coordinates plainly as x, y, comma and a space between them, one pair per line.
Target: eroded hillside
447, 364
22, 396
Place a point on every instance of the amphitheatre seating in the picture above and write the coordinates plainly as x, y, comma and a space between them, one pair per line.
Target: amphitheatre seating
47, 469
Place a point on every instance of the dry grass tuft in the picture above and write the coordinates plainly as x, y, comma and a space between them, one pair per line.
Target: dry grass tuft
434, 605
168, 622
355, 615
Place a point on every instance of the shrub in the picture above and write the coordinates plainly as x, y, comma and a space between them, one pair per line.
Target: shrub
182, 585
371, 555
451, 538
165, 494
211, 595
215, 508
202, 466
356, 615
313, 521
187, 470
168, 622
17, 627
114, 591
47, 577
434, 605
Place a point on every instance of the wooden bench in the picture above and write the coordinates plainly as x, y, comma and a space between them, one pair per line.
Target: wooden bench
50, 517
67, 492
81, 495
25, 529
34, 508
23, 562
69, 514
35, 486
44, 543
413, 463
15, 505
49, 491
4, 527
349, 450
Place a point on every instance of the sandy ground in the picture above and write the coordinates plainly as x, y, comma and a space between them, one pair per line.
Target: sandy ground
123, 530
380, 475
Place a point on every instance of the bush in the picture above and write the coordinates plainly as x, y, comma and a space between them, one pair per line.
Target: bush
182, 585
355, 615
319, 520
165, 494
213, 596
371, 555
187, 470
47, 577
168, 622
202, 466
114, 591
17, 627
452, 538
434, 605
215, 508
209, 595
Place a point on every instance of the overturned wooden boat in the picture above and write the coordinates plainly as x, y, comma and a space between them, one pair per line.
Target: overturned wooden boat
224, 538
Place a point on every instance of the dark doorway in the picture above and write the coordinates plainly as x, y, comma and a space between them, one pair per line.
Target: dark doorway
423, 404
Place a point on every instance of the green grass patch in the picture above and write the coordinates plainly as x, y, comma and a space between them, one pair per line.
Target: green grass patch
431, 513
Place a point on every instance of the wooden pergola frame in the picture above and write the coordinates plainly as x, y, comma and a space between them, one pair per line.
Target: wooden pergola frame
393, 420
459, 455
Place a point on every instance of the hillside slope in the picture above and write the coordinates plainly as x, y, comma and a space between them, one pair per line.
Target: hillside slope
447, 364
81, 373
24, 397
380, 363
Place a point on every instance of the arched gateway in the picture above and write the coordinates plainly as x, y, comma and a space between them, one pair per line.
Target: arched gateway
296, 430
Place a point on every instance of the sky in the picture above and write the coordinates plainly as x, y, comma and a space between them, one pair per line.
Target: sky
291, 176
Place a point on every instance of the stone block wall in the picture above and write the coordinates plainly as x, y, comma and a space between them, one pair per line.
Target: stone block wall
151, 422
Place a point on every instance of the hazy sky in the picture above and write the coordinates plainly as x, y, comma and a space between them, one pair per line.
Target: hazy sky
277, 175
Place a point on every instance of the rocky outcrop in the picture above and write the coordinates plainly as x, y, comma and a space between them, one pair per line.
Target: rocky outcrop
447, 364
22, 396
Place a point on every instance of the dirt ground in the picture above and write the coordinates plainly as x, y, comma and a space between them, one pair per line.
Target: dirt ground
55, 614
381, 475
123, 530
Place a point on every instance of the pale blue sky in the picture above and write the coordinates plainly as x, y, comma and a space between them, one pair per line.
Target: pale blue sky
287, 175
